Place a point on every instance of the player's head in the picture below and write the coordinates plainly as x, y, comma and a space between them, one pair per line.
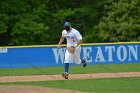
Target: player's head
67, 26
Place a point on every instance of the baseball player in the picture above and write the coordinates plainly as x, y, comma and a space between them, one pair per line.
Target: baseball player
74, 39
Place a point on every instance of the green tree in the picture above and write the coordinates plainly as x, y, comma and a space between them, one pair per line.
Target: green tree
22, 23
41, 21
31, 29
10, 12
121, 21
27, 32
84, 15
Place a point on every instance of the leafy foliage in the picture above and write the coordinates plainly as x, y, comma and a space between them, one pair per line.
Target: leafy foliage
30, 22
121, 22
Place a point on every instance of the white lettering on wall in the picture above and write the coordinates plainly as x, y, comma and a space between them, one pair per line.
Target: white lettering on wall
99, 55
3, 50
59, 53
87, 53
133, 52
122, 49
109, 53
110, 50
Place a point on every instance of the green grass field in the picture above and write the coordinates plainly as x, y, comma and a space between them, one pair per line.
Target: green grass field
107, 85
73, 69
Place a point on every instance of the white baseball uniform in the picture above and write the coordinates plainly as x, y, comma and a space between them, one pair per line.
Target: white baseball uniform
72, 37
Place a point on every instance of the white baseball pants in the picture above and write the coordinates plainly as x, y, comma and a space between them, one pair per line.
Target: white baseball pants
75, 55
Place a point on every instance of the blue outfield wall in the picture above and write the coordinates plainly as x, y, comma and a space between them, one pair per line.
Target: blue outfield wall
43, 55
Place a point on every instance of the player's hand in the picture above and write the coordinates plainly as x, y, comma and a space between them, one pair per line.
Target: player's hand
75, 45
58, 46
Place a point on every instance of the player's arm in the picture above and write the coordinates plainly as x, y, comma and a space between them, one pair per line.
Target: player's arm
79, 38
60, 42
79, 42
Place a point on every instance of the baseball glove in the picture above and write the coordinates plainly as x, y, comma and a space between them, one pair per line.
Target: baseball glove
71, 49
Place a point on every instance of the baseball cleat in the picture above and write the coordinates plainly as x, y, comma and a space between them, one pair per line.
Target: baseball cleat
84, 62
65, 75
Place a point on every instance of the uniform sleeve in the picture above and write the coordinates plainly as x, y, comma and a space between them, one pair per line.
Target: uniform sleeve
63, 34
78, 36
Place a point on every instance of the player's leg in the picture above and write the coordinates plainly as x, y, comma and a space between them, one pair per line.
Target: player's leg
67, 59
77, 57
84, 62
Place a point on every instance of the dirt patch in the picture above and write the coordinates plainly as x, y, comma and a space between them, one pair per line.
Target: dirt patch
30, 89
71, 77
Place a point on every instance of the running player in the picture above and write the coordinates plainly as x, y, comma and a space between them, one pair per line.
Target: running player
74, 39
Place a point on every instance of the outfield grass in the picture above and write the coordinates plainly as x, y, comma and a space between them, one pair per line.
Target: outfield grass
108, 85
73, 69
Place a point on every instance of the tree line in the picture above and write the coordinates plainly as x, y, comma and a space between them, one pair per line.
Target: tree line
33, 22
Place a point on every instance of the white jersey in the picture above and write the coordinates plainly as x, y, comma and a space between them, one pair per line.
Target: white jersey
72, 37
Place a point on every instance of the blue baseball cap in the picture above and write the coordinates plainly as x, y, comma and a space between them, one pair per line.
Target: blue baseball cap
67, 24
